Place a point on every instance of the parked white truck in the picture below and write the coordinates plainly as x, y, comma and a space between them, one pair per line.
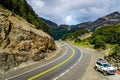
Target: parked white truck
104, 67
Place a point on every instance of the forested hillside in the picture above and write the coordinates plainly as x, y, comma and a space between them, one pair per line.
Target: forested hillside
106, 34
23, 9
61, 30
75, 35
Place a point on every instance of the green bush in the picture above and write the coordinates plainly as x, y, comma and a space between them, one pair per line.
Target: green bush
99, 44
78, 40
115, 51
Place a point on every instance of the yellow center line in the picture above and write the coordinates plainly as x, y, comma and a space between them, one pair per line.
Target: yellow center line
40, 74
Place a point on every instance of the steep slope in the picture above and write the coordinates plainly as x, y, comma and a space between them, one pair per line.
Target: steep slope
23, 9
20, 41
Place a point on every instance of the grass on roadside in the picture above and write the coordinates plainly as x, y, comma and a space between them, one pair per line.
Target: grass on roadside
85, 44
108, 46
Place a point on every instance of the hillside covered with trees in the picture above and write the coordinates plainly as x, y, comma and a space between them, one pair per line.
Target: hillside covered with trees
100, 39
75, 35
23, 9
106, 34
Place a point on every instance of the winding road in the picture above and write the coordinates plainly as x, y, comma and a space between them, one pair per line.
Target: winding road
70, 66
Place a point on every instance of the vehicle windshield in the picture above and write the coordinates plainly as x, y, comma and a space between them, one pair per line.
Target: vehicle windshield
106, 65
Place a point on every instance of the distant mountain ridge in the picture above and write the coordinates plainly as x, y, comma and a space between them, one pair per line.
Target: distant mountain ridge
110, 19
50, 23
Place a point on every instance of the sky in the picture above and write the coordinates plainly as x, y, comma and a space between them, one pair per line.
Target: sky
73, 11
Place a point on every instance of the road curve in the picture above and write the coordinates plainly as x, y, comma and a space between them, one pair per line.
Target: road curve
54, 69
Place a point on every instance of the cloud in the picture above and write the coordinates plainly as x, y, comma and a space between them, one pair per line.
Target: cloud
37, 4
73, 11
68, 19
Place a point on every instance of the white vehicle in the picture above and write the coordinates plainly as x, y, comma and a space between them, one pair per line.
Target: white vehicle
104, 67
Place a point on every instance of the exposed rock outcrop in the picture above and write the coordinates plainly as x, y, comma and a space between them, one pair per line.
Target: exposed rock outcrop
114, 60
20, 41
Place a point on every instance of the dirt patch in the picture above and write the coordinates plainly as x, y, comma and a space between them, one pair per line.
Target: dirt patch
85, 36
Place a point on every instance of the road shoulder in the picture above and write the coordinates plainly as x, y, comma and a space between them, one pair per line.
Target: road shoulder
91, 73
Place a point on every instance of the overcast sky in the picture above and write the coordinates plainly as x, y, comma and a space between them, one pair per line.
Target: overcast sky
73, 11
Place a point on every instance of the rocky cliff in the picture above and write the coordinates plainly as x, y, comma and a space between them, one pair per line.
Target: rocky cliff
21, 42
114, 60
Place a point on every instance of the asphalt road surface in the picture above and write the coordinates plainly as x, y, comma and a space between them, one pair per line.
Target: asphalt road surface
59, 69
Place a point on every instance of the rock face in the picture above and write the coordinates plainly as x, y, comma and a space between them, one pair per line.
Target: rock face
110, 19
20, 41
114, 60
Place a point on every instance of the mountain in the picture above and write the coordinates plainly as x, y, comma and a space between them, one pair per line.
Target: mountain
63, 29
53, 25
21, 42
110, 19
23, 9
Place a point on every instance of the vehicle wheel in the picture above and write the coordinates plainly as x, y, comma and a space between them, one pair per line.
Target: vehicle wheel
105, 73
96, 68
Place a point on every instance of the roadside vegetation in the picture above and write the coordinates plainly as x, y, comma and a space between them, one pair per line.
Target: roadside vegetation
106, 34
77, 39
115, 51
75, 35
105, 37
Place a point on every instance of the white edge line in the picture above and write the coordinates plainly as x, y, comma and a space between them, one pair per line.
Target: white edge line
70, 67
61, 74
39, 66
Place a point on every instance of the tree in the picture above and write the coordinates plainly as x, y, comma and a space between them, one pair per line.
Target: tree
100, 44
78, 40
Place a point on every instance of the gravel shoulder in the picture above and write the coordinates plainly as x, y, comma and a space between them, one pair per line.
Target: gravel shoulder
91, 73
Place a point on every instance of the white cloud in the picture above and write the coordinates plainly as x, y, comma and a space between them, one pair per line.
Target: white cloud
68, 19
73, 11
36, 4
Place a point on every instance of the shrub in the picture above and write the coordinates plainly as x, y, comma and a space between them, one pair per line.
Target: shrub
100, 44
